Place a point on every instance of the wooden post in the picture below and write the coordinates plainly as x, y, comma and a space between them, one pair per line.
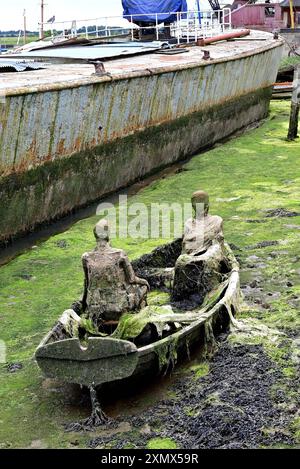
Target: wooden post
42, 20
292, 14
295, 104
25, 26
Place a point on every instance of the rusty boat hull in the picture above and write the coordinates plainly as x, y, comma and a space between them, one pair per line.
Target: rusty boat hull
69, 137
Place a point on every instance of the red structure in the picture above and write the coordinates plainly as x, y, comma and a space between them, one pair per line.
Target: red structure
264, 16
285, 7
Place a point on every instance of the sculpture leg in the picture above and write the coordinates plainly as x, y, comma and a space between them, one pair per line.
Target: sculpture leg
197, 275
188, 279
98, 417
210, 342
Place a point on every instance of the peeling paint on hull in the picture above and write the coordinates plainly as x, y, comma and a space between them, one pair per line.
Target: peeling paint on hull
62, 148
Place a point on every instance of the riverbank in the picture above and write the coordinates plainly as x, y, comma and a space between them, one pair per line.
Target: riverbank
245, 177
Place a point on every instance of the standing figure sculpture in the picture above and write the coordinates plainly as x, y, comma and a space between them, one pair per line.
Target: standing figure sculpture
111, 286
199, 267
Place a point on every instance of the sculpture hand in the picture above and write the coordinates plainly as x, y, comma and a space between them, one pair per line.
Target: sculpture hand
142, 281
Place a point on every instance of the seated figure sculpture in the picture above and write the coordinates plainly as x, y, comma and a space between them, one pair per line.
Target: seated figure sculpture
198, 268
111, 286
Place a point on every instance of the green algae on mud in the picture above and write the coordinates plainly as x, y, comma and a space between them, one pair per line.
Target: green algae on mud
200, 370
161, 443
244, 177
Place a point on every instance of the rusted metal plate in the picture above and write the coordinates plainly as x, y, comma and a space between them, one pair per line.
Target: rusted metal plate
21, 65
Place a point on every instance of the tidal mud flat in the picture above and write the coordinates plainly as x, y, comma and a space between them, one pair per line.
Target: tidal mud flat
248, 394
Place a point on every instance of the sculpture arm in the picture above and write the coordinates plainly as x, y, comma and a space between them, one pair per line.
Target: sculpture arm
212, 251
220, 236
130, 274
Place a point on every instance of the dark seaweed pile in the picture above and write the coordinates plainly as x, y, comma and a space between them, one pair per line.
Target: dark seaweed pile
237, 405
280, 212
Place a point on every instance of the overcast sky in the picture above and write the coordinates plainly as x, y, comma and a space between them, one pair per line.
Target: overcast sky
11, 13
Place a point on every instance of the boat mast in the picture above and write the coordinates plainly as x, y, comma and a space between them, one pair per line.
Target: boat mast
42, 20
199, 11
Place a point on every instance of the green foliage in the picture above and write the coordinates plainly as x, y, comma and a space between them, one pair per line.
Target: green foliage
288, 62
13, 41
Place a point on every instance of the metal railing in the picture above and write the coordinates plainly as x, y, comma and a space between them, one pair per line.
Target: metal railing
188, 26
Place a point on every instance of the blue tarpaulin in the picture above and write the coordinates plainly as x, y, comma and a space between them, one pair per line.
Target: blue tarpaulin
149, 7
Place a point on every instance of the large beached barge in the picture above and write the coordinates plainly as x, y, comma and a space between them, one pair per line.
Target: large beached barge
69, 136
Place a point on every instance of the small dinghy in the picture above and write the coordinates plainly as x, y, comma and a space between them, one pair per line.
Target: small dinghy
98, 360
201, 292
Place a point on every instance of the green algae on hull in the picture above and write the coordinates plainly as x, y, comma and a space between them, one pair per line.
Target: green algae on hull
244, 176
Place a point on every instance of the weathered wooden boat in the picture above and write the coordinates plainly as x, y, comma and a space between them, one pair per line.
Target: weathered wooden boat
101, 360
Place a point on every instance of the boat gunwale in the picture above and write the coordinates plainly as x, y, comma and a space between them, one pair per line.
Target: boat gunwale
94, 80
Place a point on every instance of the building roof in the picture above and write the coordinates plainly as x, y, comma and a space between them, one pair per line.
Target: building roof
18, 65
286, 3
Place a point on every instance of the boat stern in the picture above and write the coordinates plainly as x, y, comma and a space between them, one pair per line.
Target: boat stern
102, 360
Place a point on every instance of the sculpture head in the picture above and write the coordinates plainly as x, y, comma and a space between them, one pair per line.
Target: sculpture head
101, 231
200, 198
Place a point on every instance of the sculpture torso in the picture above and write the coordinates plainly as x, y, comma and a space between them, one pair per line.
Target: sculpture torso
197, 269
109, 290
105, 276
200, 234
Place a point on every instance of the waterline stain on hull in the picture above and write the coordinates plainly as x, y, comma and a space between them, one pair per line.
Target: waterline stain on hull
55, 188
